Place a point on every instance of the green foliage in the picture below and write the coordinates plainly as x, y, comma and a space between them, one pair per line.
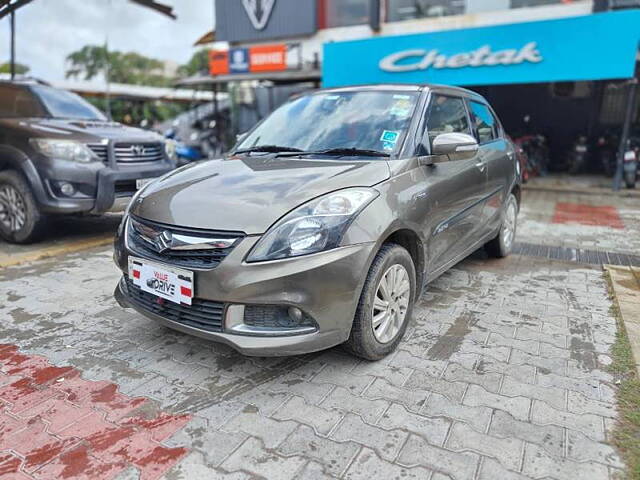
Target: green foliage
197, 64
20, 68
124, 67
626, 435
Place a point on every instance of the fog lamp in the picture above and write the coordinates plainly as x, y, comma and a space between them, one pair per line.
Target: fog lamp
67, 189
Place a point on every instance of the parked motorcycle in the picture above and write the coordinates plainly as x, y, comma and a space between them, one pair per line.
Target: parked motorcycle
630, 163
605, 151
578, 155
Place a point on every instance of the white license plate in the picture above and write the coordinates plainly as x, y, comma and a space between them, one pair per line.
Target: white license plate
141, 182
581, 149
173, 284
629, 156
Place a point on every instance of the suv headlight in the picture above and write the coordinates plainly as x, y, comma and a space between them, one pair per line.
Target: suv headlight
313, 227
64, 150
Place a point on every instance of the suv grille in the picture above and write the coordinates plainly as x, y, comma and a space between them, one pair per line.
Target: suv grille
140, 232
128, 153
101, 151
201, 314
138, 152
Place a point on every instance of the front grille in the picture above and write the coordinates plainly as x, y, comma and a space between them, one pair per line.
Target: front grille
202, 314
204, 258
101, 151
138, 152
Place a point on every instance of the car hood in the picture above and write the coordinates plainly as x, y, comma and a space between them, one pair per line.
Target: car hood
81, 130
248, 194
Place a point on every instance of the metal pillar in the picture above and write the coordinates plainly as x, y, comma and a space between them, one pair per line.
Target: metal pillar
626, 128
13, 45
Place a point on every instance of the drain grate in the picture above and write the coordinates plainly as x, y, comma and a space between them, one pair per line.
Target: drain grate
579, 255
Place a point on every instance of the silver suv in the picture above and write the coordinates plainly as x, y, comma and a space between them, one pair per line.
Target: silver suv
324, 223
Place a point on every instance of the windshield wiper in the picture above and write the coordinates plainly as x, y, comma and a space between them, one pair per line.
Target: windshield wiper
353, 152
268, 149
341, 152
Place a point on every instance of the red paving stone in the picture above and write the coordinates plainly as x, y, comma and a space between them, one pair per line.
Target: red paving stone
601, 216
54, 424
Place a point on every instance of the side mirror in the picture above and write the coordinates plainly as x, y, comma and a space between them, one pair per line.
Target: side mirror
458, 146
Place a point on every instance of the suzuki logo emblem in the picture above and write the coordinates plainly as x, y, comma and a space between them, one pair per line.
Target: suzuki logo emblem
163, 242
259, 12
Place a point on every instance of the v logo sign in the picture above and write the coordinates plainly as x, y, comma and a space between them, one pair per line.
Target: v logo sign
259, 12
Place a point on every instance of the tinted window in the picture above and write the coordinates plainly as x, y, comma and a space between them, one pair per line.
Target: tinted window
63, 104
18, 102
447, 115
410, 9
484, 122
341, 13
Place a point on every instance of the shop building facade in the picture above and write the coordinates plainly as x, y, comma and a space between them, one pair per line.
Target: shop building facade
565, 65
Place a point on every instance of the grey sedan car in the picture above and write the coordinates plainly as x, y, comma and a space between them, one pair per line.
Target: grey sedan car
324, 223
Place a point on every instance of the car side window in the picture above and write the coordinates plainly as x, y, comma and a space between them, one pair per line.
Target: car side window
447, 115
484, 123
18, 102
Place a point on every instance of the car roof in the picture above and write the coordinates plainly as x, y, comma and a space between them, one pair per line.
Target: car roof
407, 87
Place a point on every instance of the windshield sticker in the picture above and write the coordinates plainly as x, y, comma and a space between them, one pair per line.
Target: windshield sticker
402, 97
388, 146
389, 136
332, 97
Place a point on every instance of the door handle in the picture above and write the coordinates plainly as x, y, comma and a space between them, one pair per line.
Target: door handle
481, 165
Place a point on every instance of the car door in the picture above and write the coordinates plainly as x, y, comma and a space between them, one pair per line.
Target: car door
457, 187
498, 156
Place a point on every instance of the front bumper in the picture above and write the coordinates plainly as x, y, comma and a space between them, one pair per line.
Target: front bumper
102, 182
326, 286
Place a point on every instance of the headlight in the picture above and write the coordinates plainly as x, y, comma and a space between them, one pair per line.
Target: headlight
313, 227
64, 150
170, 149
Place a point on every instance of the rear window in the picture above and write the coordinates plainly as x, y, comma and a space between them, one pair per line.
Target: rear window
18, 103
485, 124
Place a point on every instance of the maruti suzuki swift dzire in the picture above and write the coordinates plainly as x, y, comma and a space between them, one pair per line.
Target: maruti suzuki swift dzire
325, 221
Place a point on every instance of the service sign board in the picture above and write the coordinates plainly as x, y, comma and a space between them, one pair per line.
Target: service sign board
264, 20
592, 47
260, 58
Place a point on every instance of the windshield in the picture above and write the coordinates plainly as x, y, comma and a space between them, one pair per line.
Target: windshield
63, 104
365, 120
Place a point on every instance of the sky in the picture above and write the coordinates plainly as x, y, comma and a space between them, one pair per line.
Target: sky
48, 30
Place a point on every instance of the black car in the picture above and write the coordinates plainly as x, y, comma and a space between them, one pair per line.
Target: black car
60, 155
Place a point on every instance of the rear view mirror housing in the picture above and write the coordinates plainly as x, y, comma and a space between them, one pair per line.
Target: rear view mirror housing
458, 146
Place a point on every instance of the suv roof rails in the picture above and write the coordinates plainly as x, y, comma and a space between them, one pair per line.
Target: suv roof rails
24, 80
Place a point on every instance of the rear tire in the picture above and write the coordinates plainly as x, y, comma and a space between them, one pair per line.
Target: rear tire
20, 218
390, 301
630, 179
502, 245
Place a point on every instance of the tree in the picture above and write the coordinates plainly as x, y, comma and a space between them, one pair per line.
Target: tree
124, 67
198, 63
20, 68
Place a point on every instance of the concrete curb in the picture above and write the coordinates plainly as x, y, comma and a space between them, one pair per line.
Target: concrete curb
626, 288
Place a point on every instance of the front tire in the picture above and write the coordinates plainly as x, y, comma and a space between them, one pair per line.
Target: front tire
385, 306
502, 245
20, 218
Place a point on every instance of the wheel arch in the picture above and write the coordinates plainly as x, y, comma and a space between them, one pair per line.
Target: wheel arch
410, 241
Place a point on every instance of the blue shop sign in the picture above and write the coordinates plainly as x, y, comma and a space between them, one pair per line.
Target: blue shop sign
591, 47
239, 60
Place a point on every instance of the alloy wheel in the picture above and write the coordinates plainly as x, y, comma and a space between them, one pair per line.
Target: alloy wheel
390, 303
509, 225
13, 211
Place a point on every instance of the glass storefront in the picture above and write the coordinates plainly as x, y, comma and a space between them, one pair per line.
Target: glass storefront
343, 13
398, 10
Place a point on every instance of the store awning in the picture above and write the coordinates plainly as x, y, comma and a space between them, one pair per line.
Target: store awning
592, 47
